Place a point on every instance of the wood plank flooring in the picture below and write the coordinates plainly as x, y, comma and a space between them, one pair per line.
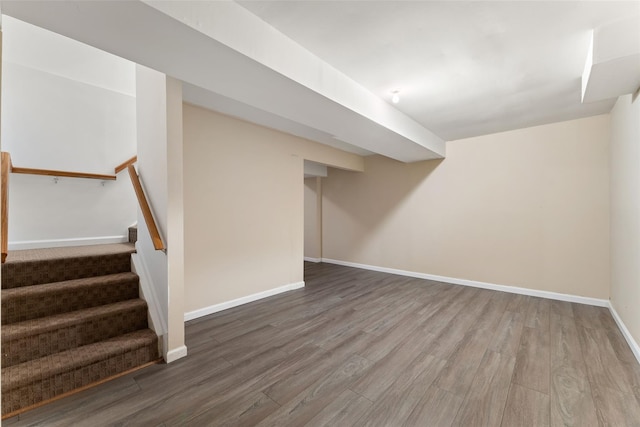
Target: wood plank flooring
360, 348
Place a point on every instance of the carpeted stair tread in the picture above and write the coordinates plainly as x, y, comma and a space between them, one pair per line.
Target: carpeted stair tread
32, 302
37, 266
36, 338
44, 378
71, 317
55, 364
45, 254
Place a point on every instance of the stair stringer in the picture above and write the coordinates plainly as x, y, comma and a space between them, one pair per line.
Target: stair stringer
157, 321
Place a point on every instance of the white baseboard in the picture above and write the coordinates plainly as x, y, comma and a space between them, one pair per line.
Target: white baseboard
175, 354
625, 332
476, 284
239, 301
58, 243
309, 259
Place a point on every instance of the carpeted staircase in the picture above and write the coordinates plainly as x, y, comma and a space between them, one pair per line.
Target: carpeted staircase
70, 317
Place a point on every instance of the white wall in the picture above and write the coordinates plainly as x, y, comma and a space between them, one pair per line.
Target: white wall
625, 212
66, 106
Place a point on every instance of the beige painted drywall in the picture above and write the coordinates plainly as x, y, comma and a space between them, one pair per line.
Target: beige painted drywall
625, 212
526, 208
243, 206
313, 217
175, 221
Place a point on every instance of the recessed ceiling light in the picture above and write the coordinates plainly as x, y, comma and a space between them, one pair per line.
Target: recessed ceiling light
395, 98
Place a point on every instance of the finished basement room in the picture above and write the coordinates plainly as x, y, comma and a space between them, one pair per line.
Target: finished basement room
320, 213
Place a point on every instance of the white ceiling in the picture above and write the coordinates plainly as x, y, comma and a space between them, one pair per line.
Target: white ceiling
33, 47
233, 62
464, 68
325, 70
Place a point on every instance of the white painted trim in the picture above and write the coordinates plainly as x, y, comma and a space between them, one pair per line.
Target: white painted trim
635, 348
503, 288
57, 243
148, 291
309, 259
239, 301
176, 353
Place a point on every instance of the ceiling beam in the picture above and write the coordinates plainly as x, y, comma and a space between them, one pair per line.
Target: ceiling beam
221, 49
612, 67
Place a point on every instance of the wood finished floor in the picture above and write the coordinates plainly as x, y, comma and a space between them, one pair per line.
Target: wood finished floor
360, 348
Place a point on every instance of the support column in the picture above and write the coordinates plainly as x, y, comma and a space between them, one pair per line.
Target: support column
159, 133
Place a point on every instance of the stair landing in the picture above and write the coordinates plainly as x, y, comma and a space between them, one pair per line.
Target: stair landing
43, 254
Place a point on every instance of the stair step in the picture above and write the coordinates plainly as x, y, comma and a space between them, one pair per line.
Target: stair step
32, 302
71, 317
36, 338
41, 379
38, 266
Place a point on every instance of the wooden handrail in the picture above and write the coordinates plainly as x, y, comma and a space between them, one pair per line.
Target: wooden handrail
122, 166
67, 174
4, 190
146, 210
7, 168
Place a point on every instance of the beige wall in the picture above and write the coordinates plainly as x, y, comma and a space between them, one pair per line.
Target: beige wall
625, 212
313, 217
243, 206
526, 208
